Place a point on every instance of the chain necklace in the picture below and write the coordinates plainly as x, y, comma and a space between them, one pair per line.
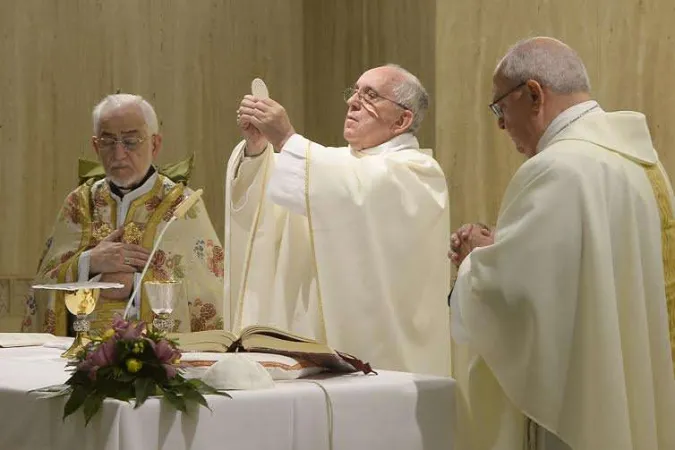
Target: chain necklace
573, 120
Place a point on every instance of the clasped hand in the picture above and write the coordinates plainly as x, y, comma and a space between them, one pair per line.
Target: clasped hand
466, 238
117, 262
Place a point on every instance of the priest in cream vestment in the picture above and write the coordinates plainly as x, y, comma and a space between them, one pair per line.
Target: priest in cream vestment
342, 244
106, 229
562, 312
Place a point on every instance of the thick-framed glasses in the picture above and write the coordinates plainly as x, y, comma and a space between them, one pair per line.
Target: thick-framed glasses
369, 96
494, 106
130, 143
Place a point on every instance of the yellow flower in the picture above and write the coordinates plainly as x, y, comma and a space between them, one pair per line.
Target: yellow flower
108, 334
138, 347
134, 365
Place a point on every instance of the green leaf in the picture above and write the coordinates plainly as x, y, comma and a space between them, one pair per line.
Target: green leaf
204, 388
91, 406
177, 401
194, 396
124, 392
144, 387
125, 377
57, 390
75, 400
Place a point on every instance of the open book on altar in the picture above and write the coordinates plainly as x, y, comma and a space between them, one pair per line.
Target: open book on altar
261, 339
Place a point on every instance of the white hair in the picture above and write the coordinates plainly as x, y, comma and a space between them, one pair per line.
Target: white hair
411, 94
547, 61
119, 100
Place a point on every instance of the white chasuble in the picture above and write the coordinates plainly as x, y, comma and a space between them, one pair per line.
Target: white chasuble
343, 246
564, 316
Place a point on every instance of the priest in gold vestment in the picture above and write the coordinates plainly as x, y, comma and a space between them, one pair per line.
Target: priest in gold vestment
106, 229
342, 244
562, 312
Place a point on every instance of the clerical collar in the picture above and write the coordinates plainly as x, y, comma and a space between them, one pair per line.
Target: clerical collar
401, 142
120, 192
565, 119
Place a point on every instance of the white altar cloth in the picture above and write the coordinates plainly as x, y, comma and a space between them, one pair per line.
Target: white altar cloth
392, 411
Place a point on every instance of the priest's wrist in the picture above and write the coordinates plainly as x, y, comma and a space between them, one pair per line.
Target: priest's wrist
280, 144
255, 150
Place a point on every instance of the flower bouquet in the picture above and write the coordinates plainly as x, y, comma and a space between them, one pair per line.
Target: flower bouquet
128, 361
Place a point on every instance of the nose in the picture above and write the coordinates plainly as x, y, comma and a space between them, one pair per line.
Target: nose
354, 99
500, 123
120, 151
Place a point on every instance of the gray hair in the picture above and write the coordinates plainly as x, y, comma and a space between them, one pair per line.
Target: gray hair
547, 61
411, 94
119, 100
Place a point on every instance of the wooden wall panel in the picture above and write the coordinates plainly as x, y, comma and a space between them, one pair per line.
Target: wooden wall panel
345, 38
193, 60
636, 63
477, 157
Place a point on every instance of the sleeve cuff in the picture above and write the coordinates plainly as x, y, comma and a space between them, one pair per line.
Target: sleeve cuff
462, 288
296, 145
134, 311
83, 266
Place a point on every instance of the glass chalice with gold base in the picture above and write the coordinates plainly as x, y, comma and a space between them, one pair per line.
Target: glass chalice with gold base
163, 297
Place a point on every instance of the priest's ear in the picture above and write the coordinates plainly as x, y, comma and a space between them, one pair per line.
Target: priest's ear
404, 122
94, 145
156, 143
536, 94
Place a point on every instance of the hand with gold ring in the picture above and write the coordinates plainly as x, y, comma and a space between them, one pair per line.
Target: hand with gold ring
113, 256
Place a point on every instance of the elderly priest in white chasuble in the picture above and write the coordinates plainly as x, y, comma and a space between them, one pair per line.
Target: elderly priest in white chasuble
106, 229
563, 309
342, 244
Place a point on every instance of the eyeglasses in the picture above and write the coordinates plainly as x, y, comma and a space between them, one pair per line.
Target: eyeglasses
130, 143
369, 96
496, 108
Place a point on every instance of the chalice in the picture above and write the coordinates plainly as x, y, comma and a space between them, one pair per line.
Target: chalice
80, 299
163, 296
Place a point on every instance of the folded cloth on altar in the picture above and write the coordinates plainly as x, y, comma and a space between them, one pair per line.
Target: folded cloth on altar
234, 371
60, 342
279, 367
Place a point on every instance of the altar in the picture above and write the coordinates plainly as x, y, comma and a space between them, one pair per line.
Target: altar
391, 410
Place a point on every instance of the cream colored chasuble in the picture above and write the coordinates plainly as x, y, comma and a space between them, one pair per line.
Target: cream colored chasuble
344, 246
565, 316
190, 251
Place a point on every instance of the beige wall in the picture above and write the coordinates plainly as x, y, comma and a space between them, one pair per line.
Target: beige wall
345, 37
194, 59
627, 46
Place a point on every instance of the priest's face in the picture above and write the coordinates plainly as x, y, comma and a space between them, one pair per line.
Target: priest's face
516, 109
125, 147
373, 115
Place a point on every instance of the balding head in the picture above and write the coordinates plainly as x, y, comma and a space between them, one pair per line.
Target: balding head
534, 82
546, 60
385, 102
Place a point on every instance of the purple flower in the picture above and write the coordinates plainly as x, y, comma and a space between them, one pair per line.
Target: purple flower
167, 355
133, 331
118, 323
127, 330
170, 370
104, 355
